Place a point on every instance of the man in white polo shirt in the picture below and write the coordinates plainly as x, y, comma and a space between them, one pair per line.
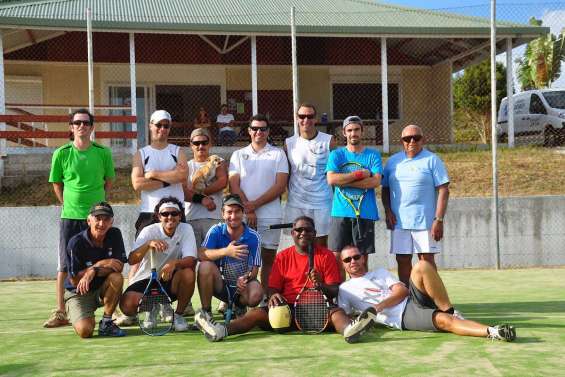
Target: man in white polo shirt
258, 173
224, 122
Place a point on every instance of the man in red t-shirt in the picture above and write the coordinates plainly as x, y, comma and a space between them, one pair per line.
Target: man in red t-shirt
288, 276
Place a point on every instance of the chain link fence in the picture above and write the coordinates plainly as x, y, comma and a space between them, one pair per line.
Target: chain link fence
439, 82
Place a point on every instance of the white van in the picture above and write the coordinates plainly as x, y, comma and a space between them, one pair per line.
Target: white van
535, 112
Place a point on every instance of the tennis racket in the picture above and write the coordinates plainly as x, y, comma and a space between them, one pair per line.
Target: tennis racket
353, 196
311, 308
154, 310
231, 270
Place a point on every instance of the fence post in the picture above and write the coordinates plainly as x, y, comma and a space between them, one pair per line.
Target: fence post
510, 92
254, 96
295, 95
133, 88
3, 151
90, 65
384, 93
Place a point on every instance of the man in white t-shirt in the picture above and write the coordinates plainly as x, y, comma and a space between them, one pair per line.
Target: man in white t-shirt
424, 306
308, 191
258, 173
175, 257
225, 123
158, 170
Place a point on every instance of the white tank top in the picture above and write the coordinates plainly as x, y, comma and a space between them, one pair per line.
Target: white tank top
195, 211
308, 187
160, 160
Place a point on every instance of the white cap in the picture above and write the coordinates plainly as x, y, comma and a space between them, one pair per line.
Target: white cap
160, 115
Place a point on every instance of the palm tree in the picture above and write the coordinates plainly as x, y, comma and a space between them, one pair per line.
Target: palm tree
541, 63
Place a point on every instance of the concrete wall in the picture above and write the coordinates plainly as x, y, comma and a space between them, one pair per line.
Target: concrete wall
532, 234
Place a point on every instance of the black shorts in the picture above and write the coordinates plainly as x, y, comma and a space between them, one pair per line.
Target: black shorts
341, 234
224, 295
68, 228
419, 312
139, 286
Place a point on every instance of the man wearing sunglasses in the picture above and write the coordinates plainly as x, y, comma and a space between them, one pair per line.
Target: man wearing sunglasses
415, 191
308, 191
158, 170
81, 174
258, 173
423, 306
174, 255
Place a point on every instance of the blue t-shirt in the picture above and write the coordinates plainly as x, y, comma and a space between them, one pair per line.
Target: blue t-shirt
218, 237
82, 253
371, 160
412, 183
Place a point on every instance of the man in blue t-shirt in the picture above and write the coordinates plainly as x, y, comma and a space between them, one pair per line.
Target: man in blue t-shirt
231, 245
95, 258
415, 194
347, 227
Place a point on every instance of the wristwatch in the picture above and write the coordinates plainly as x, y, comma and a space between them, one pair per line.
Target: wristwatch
440, 219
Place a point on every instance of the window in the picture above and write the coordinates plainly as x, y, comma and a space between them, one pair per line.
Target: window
536, 105
364, 100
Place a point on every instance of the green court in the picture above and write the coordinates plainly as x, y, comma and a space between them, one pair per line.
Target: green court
533, 300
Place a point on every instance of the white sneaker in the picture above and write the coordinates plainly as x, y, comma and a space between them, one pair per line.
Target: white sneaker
502, 332
189, 310
150, 320
126, 320
179, 323
352, 333
167, 313
222, 307
213, 331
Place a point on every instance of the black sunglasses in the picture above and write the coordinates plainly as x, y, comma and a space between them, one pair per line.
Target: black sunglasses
306, 116
159, 125
354, 257
200, 142
306, 229
409, 138
257, 129
167, 214
79, 122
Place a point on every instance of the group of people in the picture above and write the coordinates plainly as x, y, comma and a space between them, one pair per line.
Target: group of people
194, 226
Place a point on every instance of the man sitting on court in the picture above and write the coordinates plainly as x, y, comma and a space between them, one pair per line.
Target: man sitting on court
175, 260
228, 242
288, 276
424, 306
95, 258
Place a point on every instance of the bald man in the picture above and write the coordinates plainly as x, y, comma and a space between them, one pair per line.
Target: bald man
415, 191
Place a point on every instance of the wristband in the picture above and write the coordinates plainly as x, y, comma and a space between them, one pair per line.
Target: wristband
197, 198
358, 174
440, 219
166, 184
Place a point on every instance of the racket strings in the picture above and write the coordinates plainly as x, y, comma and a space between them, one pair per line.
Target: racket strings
311, 311
234, 270
155, 313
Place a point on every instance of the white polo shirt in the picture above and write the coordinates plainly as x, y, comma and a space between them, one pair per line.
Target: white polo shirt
227, 118
257, 173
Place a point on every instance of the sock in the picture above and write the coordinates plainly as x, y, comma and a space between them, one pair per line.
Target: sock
451, 310
106, 318
491, 331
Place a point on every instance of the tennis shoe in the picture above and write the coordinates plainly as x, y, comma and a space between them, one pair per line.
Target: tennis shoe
167, 313
57, 318
222, 307
364, 321
179, 323
213, 331
502, 332
189, 310
150, 320
126, 320
109, 328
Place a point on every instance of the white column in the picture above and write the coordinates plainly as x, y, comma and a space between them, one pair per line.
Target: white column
90, 64
510, 91
3, 151
133, 87
254, 95
451, 105
384, 94
295, 95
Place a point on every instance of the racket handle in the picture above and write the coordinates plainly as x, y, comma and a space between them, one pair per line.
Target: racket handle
310, 257
151, 258
281, 226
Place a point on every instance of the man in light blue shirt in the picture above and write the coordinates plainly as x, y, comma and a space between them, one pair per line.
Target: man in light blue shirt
415, 191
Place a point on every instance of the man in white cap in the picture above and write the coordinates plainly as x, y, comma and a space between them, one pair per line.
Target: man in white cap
158, 170
175, 260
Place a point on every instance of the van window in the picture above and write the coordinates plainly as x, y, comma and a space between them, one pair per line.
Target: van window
555, 99
536, 105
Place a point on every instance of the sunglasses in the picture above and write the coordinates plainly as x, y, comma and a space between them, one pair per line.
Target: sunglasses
306, 116
408, 139
354, 257
159, 126
304, 229
200, 142
80, 122
167, 214
257, 129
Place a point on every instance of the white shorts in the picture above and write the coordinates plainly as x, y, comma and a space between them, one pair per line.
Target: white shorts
269, 237
321, 218
406, 241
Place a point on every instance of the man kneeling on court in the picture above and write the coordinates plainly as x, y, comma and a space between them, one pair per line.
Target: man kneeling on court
174, 248
95, 258
288, 276
230, 258
424, 306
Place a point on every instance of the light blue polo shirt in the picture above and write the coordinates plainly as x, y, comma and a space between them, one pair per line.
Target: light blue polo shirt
218, 237
412, 183
371, 160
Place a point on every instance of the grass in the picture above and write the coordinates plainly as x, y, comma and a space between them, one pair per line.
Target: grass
522, 171
531, 299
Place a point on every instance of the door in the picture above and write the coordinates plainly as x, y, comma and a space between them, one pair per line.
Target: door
537, 113
121, 96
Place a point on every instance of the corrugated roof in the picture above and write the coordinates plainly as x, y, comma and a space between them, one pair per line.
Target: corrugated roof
249, 16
